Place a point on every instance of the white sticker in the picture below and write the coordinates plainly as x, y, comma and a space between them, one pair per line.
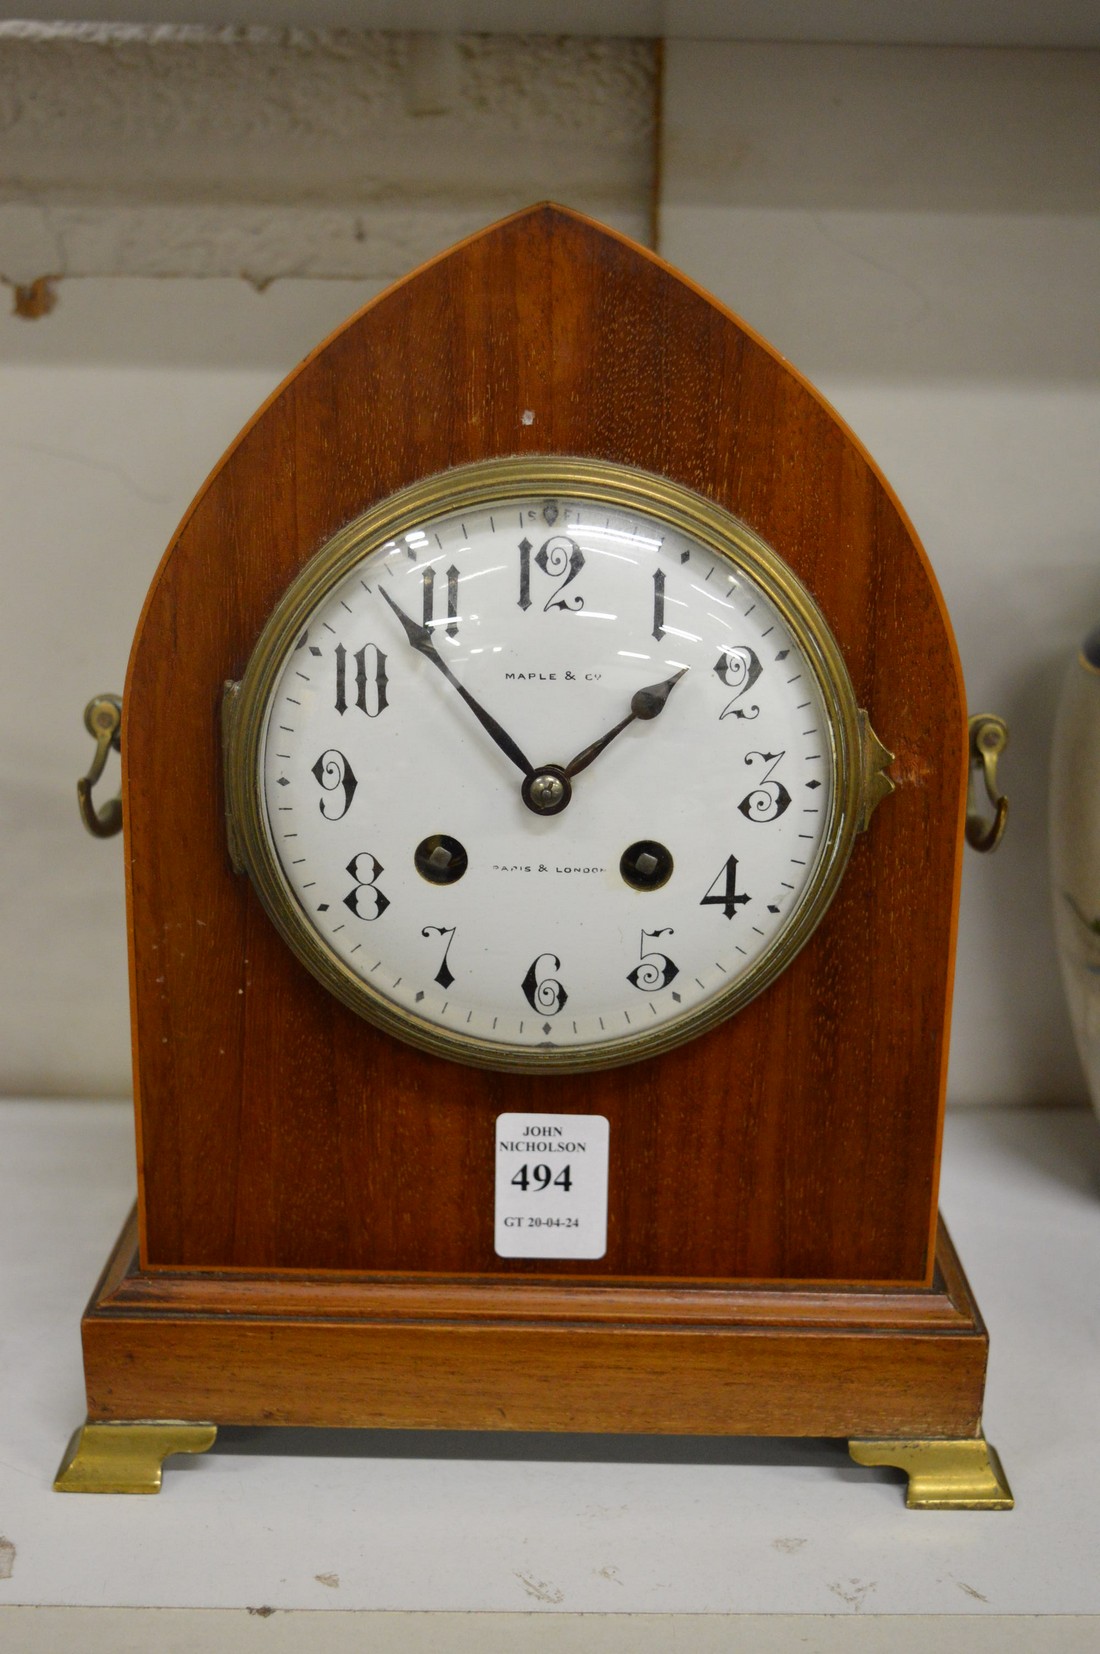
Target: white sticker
551, 1186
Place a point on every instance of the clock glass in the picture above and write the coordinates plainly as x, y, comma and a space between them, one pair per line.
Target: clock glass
545, 762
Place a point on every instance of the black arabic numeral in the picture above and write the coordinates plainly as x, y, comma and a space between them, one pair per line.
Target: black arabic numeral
428, 579
738, 669
769, 798
544, 994
376, 680
723, 892
333, 772
525, 573
656, 970
365, 863
452, 601
658, 604
444, 975
341, 679
561, 556
541, 1176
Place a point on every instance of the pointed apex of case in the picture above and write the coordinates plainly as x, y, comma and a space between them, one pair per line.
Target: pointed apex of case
553, 218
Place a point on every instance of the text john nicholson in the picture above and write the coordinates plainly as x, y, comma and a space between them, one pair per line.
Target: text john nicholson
521, 1145
542, 1140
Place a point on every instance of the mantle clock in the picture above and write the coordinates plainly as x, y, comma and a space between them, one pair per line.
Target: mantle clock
544, 769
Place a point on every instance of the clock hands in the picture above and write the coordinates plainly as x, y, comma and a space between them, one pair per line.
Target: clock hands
421, 639
644, 703
547, 789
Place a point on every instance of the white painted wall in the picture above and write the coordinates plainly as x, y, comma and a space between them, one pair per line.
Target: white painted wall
918, 229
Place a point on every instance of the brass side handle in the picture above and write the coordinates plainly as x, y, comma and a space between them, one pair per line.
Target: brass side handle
988, 739
103, 721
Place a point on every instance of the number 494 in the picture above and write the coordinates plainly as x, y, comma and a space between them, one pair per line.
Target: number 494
541, 1176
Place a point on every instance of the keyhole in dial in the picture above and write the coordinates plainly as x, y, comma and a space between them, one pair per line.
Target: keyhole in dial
440, 859
646, 864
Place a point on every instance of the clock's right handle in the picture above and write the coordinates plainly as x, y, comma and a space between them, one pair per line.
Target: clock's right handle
988, 739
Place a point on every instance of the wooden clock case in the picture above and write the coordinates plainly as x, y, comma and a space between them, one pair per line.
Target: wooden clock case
313, 1242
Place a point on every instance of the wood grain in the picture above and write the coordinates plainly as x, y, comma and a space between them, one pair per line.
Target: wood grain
797, 1143
126, 1287
309, 1352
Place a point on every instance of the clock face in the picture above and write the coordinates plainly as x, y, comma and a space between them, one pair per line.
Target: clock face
544, 763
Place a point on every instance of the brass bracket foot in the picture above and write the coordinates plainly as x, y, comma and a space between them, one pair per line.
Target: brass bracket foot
127, 1457
962, 1474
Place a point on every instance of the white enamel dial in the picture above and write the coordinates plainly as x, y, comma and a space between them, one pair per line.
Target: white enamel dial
463, 841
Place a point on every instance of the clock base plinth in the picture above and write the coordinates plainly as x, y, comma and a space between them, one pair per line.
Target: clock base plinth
899, 1372
943, 1475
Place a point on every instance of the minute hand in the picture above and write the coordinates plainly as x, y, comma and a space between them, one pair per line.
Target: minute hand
644, 703
421, 639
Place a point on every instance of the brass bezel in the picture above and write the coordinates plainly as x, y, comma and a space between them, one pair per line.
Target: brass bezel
482, 483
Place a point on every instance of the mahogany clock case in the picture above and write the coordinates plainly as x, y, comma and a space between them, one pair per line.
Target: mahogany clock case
316, 1199
314, 1236
278, 1131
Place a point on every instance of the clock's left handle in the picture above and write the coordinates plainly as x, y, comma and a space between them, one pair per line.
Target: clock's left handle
103, 721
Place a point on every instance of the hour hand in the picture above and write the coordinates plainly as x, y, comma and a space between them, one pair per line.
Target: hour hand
421, 639
644, 704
